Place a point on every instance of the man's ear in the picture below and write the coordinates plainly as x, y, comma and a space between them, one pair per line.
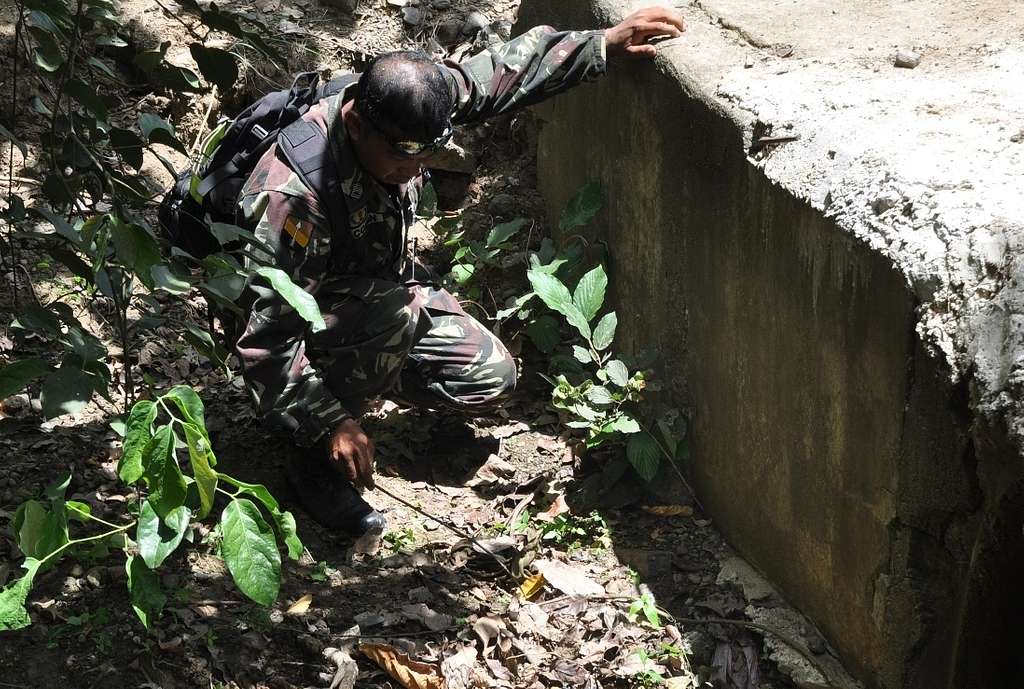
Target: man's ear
354, 124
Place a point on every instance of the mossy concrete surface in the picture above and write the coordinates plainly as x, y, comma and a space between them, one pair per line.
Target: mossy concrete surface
845, 348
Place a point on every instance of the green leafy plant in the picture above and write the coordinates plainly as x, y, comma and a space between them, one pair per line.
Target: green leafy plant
645, 605
399, 539
576, 531
171, 500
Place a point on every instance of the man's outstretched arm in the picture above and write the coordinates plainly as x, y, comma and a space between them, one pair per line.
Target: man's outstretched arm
543, 62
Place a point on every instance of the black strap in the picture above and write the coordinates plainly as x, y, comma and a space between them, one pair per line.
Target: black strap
308, 153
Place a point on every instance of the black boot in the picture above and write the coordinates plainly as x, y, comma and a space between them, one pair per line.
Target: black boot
330, 498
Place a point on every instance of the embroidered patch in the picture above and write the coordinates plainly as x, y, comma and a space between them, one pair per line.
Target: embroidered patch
300, 230
356, 191
357, 222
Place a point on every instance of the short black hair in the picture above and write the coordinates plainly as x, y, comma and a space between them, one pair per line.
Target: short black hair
406, 91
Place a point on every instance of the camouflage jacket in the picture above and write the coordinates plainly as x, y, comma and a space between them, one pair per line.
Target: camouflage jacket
274, 204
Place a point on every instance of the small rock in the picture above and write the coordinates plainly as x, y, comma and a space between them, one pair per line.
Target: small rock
503, 205
412, 16
907, 59
37, 406
420, 594
448, 31
276, 616
95, 576
15, 403
1018, 137
475, 21
885, 201
8, 497
748, 63
441, 4
77, 570
72, 586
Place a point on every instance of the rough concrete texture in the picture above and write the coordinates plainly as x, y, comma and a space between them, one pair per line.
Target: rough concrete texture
842, 313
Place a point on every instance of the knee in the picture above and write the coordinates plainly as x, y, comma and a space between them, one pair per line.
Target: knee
394, 320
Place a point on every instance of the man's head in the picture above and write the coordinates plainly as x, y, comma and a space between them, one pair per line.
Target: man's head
401, 115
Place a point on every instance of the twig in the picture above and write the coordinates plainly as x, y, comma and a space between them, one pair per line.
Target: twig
451, 527
175, 17
202, 124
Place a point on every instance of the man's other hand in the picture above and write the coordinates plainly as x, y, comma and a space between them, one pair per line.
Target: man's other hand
630, 36
351, 452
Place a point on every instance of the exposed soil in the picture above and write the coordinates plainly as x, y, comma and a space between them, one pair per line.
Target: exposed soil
425, 592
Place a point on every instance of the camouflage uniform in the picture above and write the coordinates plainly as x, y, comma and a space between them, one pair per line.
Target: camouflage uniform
384, 333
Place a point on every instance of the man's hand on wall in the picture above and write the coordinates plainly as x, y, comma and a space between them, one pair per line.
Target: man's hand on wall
630, 36
351, 452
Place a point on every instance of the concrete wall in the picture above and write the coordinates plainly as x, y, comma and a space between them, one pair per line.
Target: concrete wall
831, 449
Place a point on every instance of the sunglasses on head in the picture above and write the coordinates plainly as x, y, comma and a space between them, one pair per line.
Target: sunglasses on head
409, 148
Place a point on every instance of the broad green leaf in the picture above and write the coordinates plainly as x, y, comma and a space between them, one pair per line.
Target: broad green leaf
156, 130
63, 228
553, 293
112, 41
284, 521
13, 614
59, 488
39, 531
86, 345
500, 234
136, 248
427, 206
643, 453
162, 473
589, 294
625, 424
543, 332
137, 434
86, 96
201, 458
217, 66
551, 290
79, 511
158, 538
147, 598
191, 407
600, 395
250, 551
165, 279
582, 354
463, 272
66, 391
604, 333
582, 207
15, 376
668, 437
47, 54
39, 107
300, 300
128, 145
617, 371
517, 305
6, 135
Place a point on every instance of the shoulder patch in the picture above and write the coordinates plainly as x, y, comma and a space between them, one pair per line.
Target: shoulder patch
299, 230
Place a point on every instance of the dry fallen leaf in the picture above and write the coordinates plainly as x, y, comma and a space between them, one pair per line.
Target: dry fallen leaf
300, 606
460, 670
431, 619
532, 586
568, 579
669, 510
410, 673
558, 507
345, 676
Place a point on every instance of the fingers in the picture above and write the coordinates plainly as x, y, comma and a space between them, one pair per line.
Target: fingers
661, 15
647, 29
642, 50
365, 451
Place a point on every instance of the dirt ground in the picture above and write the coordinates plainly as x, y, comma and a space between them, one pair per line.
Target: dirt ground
510, 480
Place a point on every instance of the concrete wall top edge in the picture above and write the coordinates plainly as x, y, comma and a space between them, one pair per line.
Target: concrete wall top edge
923, 164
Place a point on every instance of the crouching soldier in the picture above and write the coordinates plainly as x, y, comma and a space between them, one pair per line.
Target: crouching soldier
386, 332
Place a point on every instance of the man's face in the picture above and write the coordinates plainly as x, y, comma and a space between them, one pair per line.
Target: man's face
377, 155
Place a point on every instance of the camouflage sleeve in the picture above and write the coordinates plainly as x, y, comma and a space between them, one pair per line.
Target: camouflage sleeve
290, 395
526, 70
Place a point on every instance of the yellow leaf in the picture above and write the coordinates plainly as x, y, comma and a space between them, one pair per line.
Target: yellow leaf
410, 673
669, 510
532, 586
300, 606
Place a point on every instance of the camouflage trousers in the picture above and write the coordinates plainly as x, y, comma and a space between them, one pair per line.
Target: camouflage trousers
411, 341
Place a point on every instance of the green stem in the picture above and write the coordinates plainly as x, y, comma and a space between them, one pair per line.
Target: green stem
91, 516
86, 539
675, 467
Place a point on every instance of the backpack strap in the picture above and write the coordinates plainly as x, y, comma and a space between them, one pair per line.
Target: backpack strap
308, 153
